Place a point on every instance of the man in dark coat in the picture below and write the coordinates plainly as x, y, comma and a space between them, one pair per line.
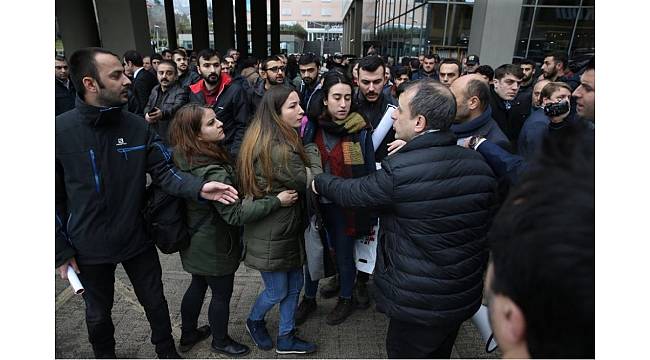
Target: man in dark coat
103, 154
186, 74
142, 82
508, 110
64, 90
473, 111
227, 98
166, 98
436, 203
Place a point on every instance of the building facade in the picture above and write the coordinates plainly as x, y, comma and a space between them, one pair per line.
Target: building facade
496, 30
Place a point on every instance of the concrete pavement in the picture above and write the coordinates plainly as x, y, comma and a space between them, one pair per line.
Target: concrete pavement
362, 335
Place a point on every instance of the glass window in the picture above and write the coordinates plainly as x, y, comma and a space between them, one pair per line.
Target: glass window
434, 21
559, 2
326, 12
459, 23
524, 30
286, 11
584, 39
305, 12
587, 2
552, 31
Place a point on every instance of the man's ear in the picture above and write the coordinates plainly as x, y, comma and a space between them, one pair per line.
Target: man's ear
420, 124
90, 84
508, 322
474, 102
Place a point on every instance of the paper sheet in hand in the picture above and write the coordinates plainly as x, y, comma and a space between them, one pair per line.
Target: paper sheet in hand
74, 281
384, 127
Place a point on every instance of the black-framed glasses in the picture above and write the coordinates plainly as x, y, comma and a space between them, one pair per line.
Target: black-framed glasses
277, 69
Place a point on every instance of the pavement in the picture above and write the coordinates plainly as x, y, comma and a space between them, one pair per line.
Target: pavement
362, 335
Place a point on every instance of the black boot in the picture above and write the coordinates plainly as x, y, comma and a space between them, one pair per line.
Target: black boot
306, 307
230, 347
189, 340
341, 311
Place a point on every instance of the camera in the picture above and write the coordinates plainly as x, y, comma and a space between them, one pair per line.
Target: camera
557, 109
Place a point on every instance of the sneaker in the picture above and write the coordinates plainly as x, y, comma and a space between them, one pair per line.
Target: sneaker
259, 334
230, 347
331, 288
306, 307
341, 311
291, 344
188, 341
360, 294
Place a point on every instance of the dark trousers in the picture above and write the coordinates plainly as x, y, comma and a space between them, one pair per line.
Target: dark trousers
145, 274
406, 340
219, 310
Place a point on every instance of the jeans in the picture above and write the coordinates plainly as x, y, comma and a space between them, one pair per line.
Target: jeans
281, 287
145, 274
219, 310
335, 223
406, 340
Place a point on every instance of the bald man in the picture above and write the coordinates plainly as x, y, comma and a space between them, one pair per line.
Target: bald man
473, 112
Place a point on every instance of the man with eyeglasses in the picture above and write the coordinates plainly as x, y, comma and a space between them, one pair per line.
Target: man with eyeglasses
508, 110
64, 90
272, 72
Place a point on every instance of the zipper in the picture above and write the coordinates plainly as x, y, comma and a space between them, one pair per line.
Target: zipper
127, 149
95, 172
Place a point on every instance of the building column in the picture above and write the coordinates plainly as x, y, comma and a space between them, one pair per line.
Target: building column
199, 20
493, 34
124, 25
241, 27
275, 26
77, 25
223, 25
259, 29
170, 20
357, 47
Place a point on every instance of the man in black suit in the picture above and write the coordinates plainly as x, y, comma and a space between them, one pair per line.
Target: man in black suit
64, 90
142, 84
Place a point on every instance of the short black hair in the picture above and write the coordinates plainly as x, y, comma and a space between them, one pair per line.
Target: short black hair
431, 56
156, 56
506, 69
452, 61
166, 51
527, 62
479, 89
559, 56
415, 63
60, 58
487, 71
207, 54
170, 63
543, 253
82, 64
434, 101
371, 63
309, 58
405, 61
249, 61
179, 51
402, 70
266, 61
134, 57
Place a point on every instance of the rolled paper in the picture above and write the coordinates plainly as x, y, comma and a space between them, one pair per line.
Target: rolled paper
480, 319
74, 281
384, 127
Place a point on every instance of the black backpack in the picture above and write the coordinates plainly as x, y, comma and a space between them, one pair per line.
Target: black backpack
166, 221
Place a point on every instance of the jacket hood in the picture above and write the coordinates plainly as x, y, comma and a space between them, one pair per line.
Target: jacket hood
474, 124
97, 116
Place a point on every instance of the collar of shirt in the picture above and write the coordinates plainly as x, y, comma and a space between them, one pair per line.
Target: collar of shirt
65, 83
135, 74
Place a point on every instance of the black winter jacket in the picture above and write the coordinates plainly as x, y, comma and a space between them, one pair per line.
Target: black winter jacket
510, 121
64, 97
168, 102
102, 156
140, 90
374, 111
436, 202
231, 108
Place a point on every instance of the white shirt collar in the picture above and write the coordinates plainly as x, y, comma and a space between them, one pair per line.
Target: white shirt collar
136, 72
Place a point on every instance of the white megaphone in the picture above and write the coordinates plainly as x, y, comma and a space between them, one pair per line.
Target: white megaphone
480, 319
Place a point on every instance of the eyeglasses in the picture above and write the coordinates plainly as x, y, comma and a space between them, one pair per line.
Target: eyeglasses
277, 69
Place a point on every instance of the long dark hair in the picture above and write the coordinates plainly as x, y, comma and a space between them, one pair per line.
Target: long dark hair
264, 132
183, 135
330, 79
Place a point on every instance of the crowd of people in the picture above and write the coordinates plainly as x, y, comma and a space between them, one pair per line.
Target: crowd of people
480, 190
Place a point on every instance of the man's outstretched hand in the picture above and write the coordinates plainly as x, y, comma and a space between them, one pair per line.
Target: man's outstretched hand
220, 192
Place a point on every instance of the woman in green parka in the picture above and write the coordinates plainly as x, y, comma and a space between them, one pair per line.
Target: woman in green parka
214, 252
272, 159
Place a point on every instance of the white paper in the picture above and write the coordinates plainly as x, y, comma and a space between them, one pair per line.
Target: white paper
365, 251
74, 281
384, 127
480, 319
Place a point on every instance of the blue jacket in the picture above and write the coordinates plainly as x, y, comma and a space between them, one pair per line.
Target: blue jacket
485, 126
532, 133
